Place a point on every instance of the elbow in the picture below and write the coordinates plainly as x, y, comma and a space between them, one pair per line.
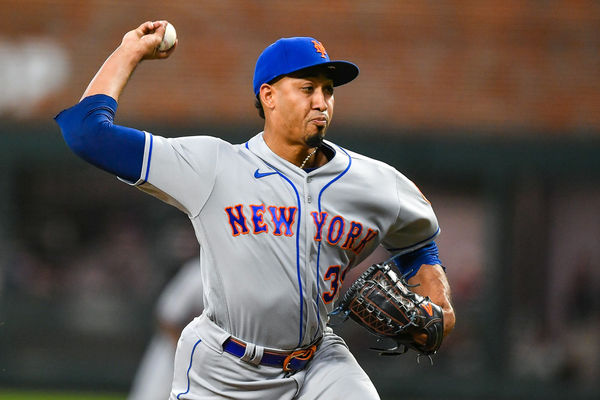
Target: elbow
449, 319
74, 139
79, 134
82, 124
72, 129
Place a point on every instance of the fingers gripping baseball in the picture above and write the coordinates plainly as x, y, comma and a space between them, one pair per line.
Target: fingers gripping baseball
137, 45
145, 40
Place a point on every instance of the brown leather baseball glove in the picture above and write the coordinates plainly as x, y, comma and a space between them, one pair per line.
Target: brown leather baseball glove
380, 300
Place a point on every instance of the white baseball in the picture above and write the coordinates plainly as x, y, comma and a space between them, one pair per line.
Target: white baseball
169, 38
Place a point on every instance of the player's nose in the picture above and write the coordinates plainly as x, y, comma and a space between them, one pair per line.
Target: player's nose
319, 100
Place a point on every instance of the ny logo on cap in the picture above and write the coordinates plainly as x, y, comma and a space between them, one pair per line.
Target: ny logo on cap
320, 49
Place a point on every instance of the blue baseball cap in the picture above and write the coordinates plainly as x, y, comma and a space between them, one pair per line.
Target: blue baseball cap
293, 54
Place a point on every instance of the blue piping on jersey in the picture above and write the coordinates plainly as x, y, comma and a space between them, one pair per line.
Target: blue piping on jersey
301, 333
416, 244
189, 368
149, 159
319, 245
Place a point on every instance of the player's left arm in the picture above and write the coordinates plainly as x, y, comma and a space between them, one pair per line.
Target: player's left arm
424, 272
431, 281
414, 240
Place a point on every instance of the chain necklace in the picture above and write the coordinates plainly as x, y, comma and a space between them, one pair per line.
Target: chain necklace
308, 157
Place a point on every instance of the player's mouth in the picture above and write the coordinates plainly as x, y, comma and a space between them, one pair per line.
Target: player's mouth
320, 121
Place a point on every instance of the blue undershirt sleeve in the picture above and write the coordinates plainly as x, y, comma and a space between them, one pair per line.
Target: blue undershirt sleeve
88, 129
410, 263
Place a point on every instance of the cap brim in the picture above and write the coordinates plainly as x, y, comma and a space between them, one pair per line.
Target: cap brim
341, 72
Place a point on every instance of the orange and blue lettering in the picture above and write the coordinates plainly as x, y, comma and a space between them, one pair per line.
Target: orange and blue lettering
370, 235
283, 216
258, 223
335, 234
333, 275
319, 219
237, 221
353, 233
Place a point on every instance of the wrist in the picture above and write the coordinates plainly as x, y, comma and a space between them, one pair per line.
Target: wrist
449, 319
129, 55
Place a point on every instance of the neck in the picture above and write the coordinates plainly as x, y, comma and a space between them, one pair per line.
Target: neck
298, 154
310, 159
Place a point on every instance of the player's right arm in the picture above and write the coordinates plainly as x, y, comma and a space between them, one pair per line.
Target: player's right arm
137, 45
88, 127
143, 159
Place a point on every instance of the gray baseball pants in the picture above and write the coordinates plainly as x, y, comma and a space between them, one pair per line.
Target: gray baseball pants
204, 371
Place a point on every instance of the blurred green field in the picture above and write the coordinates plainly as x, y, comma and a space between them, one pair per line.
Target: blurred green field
57, 395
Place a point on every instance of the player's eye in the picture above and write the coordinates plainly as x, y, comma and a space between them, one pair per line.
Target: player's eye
307, 88
328, 90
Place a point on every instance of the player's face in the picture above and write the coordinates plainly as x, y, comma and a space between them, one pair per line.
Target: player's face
304, 107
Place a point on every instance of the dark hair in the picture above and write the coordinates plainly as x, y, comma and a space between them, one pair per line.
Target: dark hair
259, 107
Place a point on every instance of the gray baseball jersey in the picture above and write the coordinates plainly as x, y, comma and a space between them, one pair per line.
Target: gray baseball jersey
277, 241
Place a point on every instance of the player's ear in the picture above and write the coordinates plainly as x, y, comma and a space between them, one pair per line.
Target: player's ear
266, 95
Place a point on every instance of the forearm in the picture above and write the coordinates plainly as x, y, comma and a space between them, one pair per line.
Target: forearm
431, 281
88, 127
137, 45
114, 74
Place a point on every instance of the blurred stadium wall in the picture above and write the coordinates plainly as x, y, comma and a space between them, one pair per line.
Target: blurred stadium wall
491, 107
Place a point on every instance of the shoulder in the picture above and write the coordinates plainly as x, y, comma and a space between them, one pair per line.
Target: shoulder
198, 140
363, 164
380, 173
191, 145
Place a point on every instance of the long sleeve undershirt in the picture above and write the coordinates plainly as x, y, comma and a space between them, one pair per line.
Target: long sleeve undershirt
88, 129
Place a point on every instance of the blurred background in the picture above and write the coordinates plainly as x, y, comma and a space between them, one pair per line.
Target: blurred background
491, 107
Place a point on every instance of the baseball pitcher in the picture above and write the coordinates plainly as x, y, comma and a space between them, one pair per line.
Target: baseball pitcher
280, 219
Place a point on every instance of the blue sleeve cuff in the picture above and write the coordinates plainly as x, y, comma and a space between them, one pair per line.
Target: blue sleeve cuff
410, 263
88, 129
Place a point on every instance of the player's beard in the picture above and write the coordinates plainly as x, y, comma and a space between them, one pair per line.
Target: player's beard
316, 139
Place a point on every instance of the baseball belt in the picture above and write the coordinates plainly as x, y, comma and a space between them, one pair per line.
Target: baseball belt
288, 361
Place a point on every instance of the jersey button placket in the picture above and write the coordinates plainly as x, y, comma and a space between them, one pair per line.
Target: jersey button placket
311, 286
307, 192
